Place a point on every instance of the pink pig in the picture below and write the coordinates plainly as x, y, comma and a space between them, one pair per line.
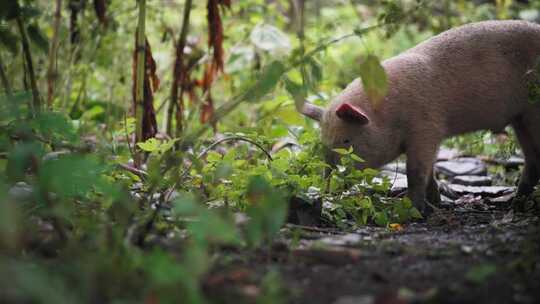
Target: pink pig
470, 78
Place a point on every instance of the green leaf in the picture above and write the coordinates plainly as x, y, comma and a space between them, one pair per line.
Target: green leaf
341, 151
153, 145
381, 218
70, 176
37, 37
289, 116
365, 203
481, 273
213, 157
268, 80
356, 158
267, 210
297, 91
205, 225
374, 79
407, 203
128, 126
293, 88
150, 145
415, 213
55, 126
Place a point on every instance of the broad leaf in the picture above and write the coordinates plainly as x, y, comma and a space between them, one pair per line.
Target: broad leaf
268, 80
374, 79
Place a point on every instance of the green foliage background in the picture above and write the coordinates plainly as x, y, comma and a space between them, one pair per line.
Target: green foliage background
75, 226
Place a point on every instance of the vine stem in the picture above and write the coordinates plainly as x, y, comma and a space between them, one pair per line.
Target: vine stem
238, 138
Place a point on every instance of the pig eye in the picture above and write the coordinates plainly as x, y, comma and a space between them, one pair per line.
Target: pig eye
346, 141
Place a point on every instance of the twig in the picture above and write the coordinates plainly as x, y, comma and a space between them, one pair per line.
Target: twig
140, 173
315, 229
127, 138
178, 74
239, 138
52, 72
5, 81
139, 78
36, 100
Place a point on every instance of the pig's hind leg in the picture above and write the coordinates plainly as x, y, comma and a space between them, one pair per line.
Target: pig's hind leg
421, 154
527, 128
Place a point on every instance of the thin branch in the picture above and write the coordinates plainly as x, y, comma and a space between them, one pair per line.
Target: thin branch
139, 78
36, 105
238, 138
177, 73
5, 81
140, 173
131, 152
52, 72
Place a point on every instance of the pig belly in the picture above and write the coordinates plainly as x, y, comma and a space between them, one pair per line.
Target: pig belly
490, 112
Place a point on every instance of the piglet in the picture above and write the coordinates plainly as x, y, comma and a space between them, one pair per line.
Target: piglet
473, 77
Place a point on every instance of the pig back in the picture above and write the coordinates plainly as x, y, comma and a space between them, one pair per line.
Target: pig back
473, 77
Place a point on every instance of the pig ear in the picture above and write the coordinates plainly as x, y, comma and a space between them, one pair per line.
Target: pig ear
348, 112
312, 111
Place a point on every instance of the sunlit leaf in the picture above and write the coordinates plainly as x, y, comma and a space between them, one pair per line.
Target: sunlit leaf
341, 151
153, 145
268, 80
374, 79
356, 158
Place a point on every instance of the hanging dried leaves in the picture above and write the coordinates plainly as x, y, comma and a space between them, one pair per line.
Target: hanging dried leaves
207, 108
151, 84
215, 41
100, 6
215, 30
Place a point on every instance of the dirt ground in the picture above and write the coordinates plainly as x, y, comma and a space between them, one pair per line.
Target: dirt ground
457, 257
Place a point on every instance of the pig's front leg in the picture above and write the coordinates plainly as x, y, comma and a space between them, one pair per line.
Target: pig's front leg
421, 183
433, 195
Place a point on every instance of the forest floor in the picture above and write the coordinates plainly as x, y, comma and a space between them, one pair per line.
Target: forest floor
475, 250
